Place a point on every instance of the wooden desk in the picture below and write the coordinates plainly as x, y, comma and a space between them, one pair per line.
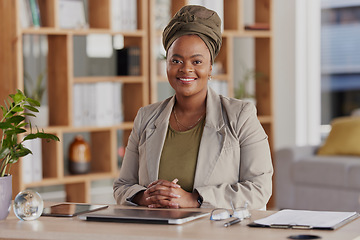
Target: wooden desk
73, 228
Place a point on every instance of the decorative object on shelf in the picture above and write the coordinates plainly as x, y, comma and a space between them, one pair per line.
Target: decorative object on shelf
79, 156
28, 205
12, 124
36, 90
246, 85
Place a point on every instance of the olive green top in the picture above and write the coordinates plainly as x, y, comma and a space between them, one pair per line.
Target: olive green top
179, 155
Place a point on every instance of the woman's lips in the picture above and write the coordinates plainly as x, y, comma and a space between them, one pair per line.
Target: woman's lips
187, 80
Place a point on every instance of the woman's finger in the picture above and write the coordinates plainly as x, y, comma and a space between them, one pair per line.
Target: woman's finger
165, 183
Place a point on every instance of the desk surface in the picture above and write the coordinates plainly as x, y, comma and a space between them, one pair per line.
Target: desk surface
73, 228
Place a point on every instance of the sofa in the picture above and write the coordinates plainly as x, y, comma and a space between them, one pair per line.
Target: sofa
325, 177
304, 180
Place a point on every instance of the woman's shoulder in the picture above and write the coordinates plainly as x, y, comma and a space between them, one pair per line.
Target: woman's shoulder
235, 105
152, 111
155, 106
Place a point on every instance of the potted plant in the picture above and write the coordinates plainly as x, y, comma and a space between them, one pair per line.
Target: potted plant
11, 146
35, 90
246, 85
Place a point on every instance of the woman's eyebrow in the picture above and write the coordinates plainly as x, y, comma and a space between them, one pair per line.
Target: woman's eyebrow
197, 55
180, 56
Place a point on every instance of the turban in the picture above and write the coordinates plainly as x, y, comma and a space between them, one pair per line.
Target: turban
198, 20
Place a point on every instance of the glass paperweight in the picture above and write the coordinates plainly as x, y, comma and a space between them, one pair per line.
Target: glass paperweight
28, 205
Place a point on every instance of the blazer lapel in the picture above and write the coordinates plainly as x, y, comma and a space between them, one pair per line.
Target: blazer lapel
155, 137
213, 136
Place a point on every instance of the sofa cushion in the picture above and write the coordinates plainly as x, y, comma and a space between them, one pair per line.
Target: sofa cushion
344, 137
331, 171
354, 177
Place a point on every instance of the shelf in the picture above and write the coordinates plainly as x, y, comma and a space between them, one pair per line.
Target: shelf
122, 79
68, 179
69, 129
265, 119
58, 31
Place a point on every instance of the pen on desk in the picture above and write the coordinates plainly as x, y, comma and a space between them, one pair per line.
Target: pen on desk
232, 222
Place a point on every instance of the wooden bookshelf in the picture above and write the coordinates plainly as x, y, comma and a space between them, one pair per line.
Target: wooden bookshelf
234, 27
61, 80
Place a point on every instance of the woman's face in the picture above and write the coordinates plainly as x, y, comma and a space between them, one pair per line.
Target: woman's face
188, 66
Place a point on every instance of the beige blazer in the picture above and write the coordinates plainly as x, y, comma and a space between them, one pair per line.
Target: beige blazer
234, 161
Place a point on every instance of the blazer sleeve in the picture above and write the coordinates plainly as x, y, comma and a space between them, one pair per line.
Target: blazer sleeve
254, 180
127, 185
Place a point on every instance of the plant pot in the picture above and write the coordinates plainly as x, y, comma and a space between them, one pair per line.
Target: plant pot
42, 117
5, 196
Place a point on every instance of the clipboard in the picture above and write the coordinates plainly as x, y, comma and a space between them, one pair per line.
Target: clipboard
304, 219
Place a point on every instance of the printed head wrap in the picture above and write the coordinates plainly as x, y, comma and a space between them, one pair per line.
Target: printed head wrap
198, 20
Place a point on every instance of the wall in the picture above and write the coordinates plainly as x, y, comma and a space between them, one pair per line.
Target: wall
284, 73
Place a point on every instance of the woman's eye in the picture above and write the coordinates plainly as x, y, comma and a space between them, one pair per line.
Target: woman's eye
197, 62
176, 61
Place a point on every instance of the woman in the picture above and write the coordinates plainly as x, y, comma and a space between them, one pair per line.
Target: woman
197, 148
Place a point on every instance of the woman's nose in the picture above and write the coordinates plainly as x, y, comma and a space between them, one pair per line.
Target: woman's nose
187, 67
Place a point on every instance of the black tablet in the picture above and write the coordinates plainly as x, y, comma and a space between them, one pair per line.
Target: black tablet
70, 209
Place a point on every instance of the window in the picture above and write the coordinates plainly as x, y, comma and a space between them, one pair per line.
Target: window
340, 58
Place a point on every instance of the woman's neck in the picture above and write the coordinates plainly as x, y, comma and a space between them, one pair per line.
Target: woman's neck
191, 104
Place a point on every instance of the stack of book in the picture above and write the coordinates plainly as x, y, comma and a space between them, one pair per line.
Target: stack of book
128, 61
97, 104
124, 15
29, 13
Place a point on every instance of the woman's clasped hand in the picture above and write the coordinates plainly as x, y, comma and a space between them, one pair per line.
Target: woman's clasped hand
166, 194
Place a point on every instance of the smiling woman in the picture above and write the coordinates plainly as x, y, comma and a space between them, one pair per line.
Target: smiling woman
197, 148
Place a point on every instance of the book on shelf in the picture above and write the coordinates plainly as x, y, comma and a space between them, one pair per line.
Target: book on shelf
124, 15
258, 26
32, 163
72, 14
97, 104
162, 13
35, 13
25, 14
128, 61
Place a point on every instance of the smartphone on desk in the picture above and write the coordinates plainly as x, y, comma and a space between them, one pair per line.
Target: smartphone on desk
70, 209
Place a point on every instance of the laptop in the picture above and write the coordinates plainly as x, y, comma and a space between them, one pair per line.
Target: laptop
140, 215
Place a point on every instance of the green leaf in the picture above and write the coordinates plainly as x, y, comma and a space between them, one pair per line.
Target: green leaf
23, 152
5, 125
15, 131
17, 109
41, 135
31, 108
16, 119
18, 97
4, 152
22, 124
33, 102
28, 114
